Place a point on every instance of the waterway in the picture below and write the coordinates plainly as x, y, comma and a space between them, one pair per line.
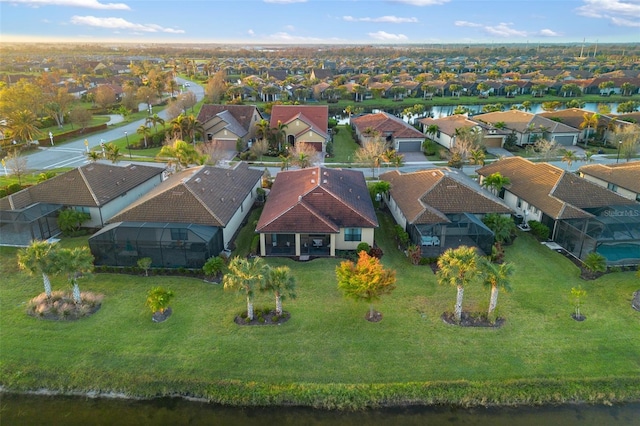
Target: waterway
71, 411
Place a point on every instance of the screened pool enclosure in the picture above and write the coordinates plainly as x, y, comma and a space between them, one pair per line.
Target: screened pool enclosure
169, 245
614, 232
37, 222
464, 229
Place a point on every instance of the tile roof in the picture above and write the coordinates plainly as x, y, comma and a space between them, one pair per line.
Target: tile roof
92, 185
520, 121
448, 125
317, 199
318, 115
241, 113
204, 195
625, 175
574, 117
386, 123
427, 196
557, 193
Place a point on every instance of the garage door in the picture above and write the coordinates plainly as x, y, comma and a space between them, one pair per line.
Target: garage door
564, 140
409, 146
493, 142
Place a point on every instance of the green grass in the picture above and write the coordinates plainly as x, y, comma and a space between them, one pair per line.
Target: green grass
328, 354
344, 147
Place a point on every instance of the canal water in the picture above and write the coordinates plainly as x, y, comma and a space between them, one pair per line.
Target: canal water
71, 411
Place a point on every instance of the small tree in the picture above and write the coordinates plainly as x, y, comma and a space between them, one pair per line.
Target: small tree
145, 264
39, 258
495, 277
595, 262
458, 267
246, 276
158, 299
366, 280
214, 266
71, 220
17, 164
282, 284
577, 294
74, 263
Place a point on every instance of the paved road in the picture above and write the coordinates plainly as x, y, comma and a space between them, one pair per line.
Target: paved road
73, 154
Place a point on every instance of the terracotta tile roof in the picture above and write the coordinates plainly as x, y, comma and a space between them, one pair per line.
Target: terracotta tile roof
574, 117
386, 123
241, 113
521, 120
625, 175
448, 125
317, 115
317, 199
427, 196
92, 185
558, 194
202, 195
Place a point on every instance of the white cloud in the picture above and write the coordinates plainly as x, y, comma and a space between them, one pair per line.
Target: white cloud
625, 13
285, 37
285, 1
422, 2
121, 24
466, 24
504, 30
385, 36
387, 19
88, 4
548, 33
290, 28
251, 33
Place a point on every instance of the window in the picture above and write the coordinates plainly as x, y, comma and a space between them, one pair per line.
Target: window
519, 203
352, 234
612, 186
179, 234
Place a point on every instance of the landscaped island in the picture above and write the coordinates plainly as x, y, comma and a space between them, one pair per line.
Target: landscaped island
327, 355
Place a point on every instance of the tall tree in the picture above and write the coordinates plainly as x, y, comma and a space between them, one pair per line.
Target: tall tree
282, 284
495, 182
589, 121
568, 156
154, 120
23, 125
39, 258
75, 262
145, 132
246, 277
458, 267
372, 153
182, 155
496, 277
366, 280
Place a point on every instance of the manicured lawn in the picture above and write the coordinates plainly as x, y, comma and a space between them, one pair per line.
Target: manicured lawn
327, 340
344, 147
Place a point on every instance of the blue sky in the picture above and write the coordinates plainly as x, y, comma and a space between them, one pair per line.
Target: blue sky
321, 21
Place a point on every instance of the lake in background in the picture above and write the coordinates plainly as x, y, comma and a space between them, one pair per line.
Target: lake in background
48, 410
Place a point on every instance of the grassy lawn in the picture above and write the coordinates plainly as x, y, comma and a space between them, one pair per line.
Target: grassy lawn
200, 350
344, 146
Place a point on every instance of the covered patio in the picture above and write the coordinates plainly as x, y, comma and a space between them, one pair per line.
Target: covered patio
297, 244
463, 229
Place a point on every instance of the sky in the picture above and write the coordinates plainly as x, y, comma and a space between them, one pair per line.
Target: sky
266, 22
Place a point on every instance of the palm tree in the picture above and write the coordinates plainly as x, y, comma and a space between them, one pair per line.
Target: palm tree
144, 131
74, 263
502, 226
39, 258
589, 120
182, 154
112, 152
458, 267
496, 277
432, 130
155, 119
23, 125
477, 157
246, 276
569, 157
262, 129
279, 133
282, 284
495, 182
93, 156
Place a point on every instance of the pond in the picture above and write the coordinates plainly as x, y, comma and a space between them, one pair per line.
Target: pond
70, 411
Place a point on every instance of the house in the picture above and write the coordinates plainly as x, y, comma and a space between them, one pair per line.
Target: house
448, 126
574, 117
398, 134
226, 124
316, 211
529, 127
622, 178
303, 123
101, 190
321, 74
191, 216
442, 208
582, 216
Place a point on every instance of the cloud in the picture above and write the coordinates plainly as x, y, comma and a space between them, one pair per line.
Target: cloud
88, 4
121, 24
388, 19
251, 33
285, 37
624, 13
422, 2
466, 24
285, 1
548, 33
385, 36
504, 30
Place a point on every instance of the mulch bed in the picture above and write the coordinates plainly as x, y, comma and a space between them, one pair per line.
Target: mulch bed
472, 319
162, 316
579, 318
61, 307
376, 317
635, 303
264, 318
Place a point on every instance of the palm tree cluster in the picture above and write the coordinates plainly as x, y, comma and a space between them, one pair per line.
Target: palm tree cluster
248, 276
461, 266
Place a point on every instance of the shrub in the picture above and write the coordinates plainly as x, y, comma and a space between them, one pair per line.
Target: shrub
595, 262
402, 236
414, 253
363, 246
158, 299
539, 230
376, 252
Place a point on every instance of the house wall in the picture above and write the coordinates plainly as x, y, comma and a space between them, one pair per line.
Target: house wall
100, 215
236, 220
444, 140
396, 213
532, 212
341, 244
620, 191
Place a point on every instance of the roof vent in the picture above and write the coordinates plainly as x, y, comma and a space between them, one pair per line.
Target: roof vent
313, 172
222, 199
299, 198
198, 180
326, 173
324, 181
313, 181
206, 172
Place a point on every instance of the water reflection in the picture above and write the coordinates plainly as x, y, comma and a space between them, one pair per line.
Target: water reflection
40, 410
